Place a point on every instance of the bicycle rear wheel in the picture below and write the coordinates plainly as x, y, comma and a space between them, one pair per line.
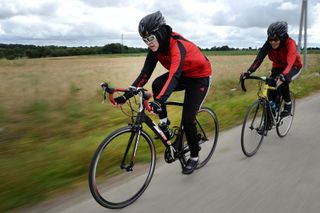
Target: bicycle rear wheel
114, 185
208, 130
253, 128
284, 125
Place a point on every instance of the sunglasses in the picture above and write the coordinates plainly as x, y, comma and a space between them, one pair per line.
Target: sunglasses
273, 39
149, 39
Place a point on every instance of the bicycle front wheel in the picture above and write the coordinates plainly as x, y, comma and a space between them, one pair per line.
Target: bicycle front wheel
253, 128
208, 130
284, 125
116, 177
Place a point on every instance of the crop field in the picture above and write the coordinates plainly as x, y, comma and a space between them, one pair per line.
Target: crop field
52, 119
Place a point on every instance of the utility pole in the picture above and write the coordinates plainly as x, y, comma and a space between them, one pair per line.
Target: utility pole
303, 17
122, 43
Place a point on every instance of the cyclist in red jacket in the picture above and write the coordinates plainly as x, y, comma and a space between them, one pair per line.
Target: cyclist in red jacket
189, 70
286, 62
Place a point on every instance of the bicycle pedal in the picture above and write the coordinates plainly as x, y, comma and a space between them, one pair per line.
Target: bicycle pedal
168, 157
128, 168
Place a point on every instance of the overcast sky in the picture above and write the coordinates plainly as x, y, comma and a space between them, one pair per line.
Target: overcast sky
208, 23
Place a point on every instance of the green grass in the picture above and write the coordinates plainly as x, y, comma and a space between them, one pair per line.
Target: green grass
46, 145
231, 52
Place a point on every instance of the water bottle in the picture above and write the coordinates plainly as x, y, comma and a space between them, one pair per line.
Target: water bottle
273, 106
166, 130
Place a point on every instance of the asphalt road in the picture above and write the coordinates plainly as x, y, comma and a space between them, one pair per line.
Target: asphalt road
284, 176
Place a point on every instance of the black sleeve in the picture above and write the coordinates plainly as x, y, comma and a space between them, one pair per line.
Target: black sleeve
260, 57
147, 70
174, 74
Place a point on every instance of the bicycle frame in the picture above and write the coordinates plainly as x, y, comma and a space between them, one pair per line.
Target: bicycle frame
263, 96
141, 118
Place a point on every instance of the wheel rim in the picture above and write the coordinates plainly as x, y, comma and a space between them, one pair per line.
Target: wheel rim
252, 129
114, 187
285, 123
207, 128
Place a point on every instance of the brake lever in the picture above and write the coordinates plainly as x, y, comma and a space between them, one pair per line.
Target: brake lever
104, 97
243, 86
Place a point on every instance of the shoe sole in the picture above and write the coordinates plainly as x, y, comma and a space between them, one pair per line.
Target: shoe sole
187, 172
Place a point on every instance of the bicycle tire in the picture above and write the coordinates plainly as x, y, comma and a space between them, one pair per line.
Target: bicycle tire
284, 125
208, 131
253, 128
107, 181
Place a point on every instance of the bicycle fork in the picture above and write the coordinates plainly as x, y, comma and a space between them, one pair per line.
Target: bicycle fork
134, 140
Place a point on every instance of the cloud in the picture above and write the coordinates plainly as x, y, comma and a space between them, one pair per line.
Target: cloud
240, 14
13, 8
288, 6
1, 31
97, 22
66, 21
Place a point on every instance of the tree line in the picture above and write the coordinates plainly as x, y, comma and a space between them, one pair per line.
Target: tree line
13, 51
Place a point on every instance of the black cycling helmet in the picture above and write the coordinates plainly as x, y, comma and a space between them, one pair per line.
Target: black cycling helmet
151, 23
278, 29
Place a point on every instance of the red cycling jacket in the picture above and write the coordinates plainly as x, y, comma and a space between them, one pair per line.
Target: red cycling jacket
183, 58
285, 56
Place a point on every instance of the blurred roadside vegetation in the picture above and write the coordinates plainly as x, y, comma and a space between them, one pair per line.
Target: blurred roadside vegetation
52, 119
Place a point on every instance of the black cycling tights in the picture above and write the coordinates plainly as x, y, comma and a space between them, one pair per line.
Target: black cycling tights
195, 93
284, 87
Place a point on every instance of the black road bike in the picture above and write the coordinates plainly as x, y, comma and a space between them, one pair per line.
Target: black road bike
123, 164
261, 117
